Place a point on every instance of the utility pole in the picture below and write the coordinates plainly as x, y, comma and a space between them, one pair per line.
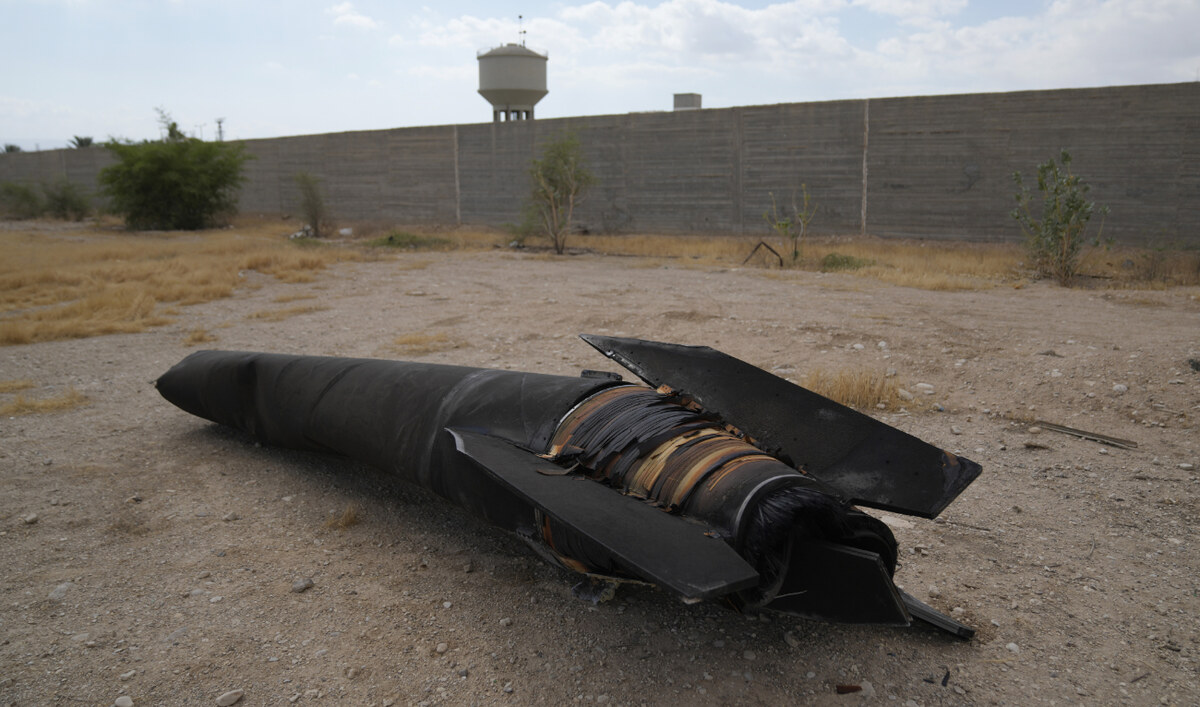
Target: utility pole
220, 130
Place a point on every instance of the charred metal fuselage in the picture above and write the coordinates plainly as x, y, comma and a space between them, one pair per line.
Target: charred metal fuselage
715, 479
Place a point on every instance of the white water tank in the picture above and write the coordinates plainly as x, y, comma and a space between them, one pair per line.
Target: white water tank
513, 79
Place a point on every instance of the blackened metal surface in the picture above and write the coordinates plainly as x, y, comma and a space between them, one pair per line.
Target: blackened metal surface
674, 495
860, 591
648, 543
870, 463
920, 610
389, 414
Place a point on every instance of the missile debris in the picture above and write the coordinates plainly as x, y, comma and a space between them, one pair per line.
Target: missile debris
712, 479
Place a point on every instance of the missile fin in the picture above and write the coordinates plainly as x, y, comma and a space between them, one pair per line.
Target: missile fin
832, 582
867, 461
648, 542
928, 614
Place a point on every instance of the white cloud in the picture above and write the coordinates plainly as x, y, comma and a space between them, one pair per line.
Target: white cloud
12, 107
823, 49
912, 8
700, 28
345, 14
634, 74
1071, 43
442, 73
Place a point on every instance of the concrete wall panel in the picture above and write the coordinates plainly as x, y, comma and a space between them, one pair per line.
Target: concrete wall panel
933, 166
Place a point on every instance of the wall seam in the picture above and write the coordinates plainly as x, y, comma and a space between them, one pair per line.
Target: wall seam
457, 183
866, 141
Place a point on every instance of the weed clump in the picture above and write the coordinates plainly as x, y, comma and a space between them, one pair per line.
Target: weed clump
22, 405
410, 241
347, 519
61, 199
20, 201
199, 336
836, 262
419, 343
313, 210
278, 315
66, 200
12, 386
863, 390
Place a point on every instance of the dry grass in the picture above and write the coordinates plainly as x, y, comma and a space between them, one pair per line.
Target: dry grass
705, 249
90, 282
924, 265
295, 297
347, 519
278, 315
13, 386
419, 343
115, 309
68, 400
1143, 268
928, 265
862, 390
198, 336
77, 283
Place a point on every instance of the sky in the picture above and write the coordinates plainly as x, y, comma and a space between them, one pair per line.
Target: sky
101, 68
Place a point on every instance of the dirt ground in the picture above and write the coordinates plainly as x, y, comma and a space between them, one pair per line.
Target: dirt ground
150, 554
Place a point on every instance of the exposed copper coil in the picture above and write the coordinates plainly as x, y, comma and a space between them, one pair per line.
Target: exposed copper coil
653, 445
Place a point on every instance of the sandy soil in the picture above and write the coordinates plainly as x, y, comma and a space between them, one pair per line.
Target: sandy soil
174, 544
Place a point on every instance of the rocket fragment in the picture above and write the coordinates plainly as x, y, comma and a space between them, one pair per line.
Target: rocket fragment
715, 479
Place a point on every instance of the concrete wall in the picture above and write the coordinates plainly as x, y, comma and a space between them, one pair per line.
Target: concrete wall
934, 166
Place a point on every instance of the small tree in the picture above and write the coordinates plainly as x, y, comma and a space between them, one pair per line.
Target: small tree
312, 204
792, 228
79, 142
9, 147
559, 179
178, 182
1055, 240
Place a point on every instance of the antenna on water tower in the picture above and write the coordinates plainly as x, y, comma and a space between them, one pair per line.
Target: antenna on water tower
521, 25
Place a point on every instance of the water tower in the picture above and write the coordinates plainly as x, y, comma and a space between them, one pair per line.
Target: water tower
512, 78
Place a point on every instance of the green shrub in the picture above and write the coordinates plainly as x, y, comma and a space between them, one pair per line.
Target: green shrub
66, 200
21, 201
312, 204
178, 182
1055, 240
9, 147
410, 241
834, 262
